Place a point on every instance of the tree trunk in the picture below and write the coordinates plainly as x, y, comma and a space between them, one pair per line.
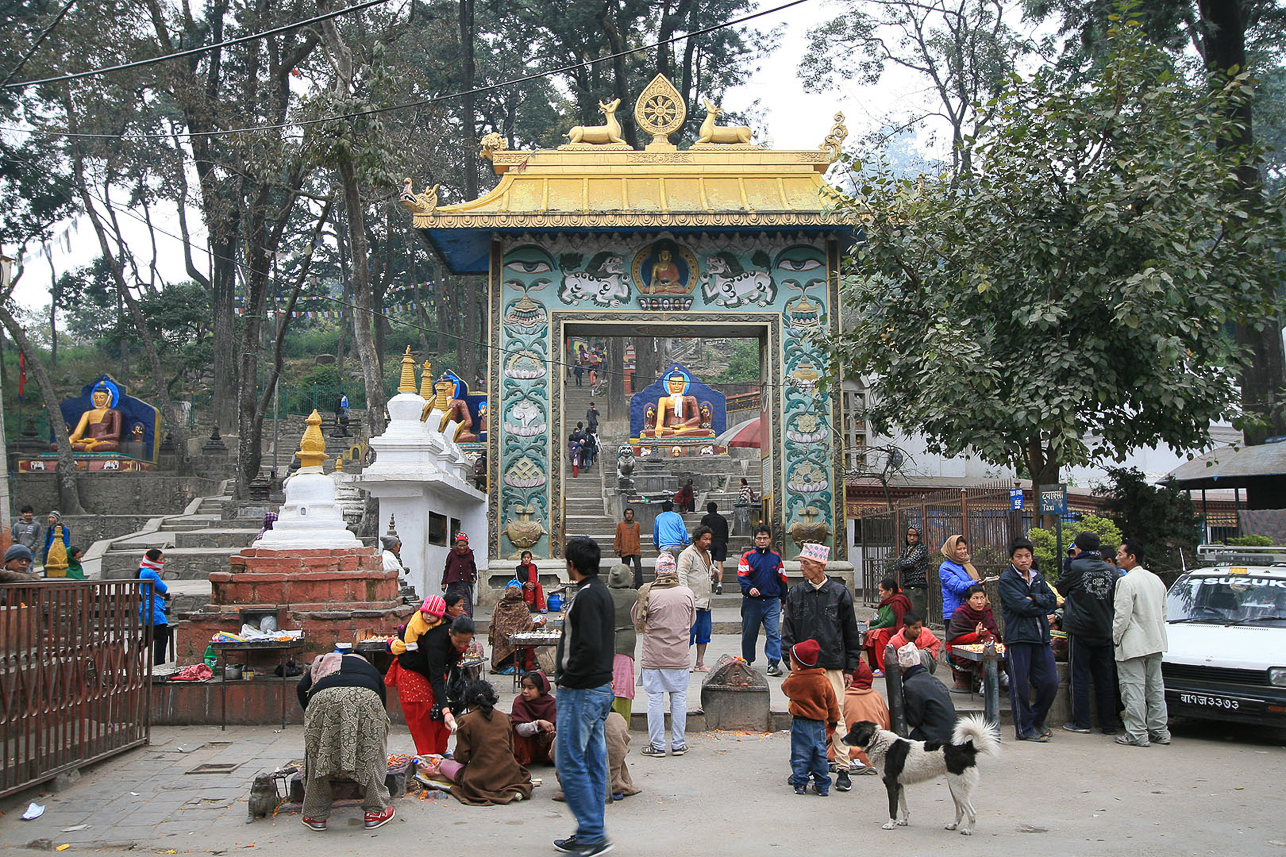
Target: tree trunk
618, 405
1264, 374
68, 487
647, 361
360, 277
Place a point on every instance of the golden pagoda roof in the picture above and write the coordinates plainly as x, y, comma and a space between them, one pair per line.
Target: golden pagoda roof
610, 185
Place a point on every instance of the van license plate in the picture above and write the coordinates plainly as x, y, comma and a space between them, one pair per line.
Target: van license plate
1207, 701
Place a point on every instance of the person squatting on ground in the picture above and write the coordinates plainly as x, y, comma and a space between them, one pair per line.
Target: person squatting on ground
534, 716
930, 713
345, 735
914, 631
1139, 638
1088, 587
696, 572
664, 614
762, 578
1026, 602
814, 712
862, 702
821, 609
584, 678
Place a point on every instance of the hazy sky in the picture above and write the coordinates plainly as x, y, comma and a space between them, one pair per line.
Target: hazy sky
793, 119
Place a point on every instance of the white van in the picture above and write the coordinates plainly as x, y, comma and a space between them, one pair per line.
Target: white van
1227, 652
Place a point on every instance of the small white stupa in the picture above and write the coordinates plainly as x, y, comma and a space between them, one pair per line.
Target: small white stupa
310, 518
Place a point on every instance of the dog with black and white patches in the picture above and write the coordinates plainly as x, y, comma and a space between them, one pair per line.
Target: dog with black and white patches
903, 762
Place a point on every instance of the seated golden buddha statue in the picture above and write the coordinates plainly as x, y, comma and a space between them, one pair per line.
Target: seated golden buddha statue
99, 429
446, 399
677, 415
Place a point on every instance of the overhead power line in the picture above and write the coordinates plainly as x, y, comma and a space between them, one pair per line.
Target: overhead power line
420, 102
44, 34
191, 51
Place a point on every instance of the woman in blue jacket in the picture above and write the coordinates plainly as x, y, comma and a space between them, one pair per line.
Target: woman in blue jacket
154, 595
954, 575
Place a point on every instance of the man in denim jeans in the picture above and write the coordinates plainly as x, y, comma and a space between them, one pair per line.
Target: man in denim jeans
584, 676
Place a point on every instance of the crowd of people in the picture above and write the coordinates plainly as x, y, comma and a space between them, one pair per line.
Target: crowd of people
35, 543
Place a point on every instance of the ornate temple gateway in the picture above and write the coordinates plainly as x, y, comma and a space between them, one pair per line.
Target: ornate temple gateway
725, 238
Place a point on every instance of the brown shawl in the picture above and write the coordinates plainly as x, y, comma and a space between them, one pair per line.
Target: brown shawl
491, 774
511, 616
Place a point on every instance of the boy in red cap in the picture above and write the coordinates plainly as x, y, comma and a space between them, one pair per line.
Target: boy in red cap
814, 709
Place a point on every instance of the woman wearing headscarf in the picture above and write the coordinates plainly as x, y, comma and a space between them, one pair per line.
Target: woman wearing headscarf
510, 616
345, 734
155, 594
427, 647
956, 574
534, 717
913, 571
620, 583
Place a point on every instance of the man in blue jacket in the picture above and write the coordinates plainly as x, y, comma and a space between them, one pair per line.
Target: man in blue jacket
1026, 601
763, 585
669, 532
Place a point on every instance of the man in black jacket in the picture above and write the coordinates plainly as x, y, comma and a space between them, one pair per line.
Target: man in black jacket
718, 525
584, 676
930, 713
1088, 587
821, 609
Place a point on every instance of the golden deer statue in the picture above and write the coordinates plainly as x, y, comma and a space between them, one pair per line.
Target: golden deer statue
609, 133
711, 133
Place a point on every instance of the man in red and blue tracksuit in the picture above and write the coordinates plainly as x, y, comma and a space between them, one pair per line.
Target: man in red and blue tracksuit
763, 586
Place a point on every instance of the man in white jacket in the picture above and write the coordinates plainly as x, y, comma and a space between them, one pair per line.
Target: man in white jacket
1139, 638
664, 615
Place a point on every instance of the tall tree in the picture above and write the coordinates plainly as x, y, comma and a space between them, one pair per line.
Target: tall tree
1067, 300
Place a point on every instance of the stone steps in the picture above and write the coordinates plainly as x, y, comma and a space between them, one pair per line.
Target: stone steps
180, 563
183, 523
215, 538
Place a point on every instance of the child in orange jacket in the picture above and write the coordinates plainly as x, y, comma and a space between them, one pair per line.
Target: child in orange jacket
815, 710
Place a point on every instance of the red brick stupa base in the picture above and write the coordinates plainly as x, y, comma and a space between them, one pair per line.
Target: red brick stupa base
334, 595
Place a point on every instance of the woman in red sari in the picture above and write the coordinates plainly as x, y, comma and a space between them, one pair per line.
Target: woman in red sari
888, 621
426, 649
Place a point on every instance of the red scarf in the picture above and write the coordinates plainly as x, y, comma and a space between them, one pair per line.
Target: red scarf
965, 620
543, 707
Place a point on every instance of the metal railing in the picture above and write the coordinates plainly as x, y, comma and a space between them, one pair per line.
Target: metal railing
75, 676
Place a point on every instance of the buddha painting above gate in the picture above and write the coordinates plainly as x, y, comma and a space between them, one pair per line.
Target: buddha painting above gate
723, 240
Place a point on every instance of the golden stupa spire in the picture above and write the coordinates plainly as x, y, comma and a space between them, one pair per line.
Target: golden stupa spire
426, 381
406, 384
312, 446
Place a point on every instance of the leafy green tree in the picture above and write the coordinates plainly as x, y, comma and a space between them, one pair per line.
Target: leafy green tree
1046, 541
1067, 301
743, 364
1161, 516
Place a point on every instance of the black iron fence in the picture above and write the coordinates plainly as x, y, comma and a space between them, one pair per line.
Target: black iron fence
981, 514
75, 672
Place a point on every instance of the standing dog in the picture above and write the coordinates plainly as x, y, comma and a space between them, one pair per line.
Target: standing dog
902, 762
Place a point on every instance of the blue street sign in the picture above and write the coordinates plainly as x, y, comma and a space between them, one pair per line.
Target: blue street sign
1053, 499
1016, 499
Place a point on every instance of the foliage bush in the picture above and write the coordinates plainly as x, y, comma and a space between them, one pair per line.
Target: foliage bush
1046, 542
1251, 541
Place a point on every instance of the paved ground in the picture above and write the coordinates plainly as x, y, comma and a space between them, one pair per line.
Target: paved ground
1216, 790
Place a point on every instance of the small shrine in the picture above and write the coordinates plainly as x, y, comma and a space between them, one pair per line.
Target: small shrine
309, 572
110, 432
677, 416
598, 238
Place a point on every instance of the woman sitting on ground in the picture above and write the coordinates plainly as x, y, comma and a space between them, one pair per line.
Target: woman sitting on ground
534, 715
893, 606
529, 577
972, 622
484, 771
510, 616
345, 734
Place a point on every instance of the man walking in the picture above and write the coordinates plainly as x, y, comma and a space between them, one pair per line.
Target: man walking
763, 584
1087, 588
460, 572
668, 532
1138, 635
664, 615
584, 678
591, 418
718, 525
696, 571
821, 609
627, 547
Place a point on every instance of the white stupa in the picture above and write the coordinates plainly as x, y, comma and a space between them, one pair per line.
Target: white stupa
310, 518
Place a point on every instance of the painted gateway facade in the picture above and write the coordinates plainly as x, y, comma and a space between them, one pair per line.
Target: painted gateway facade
722, 239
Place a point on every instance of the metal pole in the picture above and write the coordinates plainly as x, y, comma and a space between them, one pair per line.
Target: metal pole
5, 501
893, 684
276, 412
